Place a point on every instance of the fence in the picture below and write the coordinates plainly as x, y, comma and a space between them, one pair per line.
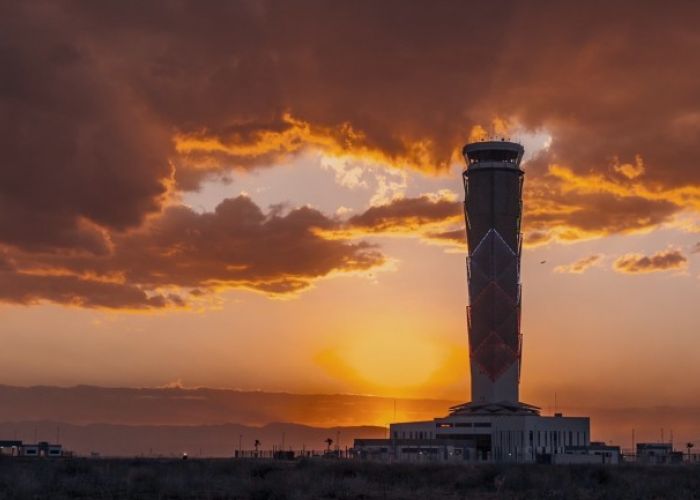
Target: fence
290, 454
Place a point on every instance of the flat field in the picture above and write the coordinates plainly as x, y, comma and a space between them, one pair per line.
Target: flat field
333, 479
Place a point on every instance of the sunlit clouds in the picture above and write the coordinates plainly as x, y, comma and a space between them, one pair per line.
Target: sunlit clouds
581, 265
129, 129
665, 260
257, 144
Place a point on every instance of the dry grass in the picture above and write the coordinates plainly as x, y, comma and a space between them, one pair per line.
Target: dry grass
330, 479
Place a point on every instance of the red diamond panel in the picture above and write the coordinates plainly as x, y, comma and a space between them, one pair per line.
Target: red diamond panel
493, 356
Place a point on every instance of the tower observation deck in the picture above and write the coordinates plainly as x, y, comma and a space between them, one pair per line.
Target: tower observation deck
493, 184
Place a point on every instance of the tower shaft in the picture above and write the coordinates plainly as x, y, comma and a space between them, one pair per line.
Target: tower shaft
493, 183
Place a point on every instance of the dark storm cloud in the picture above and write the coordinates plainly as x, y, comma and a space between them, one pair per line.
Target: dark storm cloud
666, 260
108, 107
111, 82
236, 246
75, 146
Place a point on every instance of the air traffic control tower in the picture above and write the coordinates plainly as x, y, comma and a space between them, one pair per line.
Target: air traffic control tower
494, 426
493, 185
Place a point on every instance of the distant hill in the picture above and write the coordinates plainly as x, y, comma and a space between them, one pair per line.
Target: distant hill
152, 408
177, 406
168, 421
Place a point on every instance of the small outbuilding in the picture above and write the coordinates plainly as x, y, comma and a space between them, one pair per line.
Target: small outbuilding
594, 453
658, 453
19, 449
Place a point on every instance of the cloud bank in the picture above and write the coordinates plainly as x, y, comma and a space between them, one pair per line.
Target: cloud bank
109, 111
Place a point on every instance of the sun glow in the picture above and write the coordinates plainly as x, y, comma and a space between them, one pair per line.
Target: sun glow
389, 361
395, 360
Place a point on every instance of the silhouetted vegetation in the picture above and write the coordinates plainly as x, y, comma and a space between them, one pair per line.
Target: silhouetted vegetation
334, 479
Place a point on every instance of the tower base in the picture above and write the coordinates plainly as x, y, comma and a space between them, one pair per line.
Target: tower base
481, 432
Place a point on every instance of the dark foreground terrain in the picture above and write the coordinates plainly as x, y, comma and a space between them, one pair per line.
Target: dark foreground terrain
333, 479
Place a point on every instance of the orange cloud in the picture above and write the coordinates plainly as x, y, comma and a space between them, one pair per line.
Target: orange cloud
274, 144
665, 260
565, 206
629, 170
580, 266
597, 183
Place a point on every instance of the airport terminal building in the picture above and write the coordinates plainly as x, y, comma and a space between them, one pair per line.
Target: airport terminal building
495, 426
480, 438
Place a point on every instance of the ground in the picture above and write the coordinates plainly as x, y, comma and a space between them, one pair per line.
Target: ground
334, 479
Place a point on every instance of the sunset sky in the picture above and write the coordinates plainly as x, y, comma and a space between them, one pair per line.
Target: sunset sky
267, 195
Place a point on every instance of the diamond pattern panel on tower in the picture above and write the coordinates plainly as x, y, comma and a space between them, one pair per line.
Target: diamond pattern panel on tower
492, 254
488, 310
493, 356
